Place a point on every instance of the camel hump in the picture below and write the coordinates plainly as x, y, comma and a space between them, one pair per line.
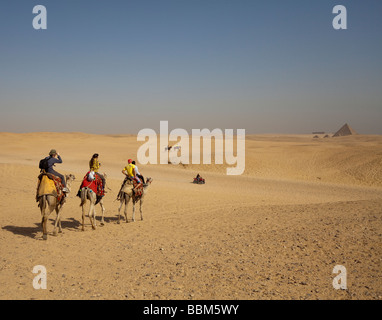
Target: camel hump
47, 186
127, 188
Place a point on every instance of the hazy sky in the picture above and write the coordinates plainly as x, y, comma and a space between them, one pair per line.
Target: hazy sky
121, 66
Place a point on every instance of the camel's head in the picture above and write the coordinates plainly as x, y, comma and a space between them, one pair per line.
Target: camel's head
105, 175
70, 177
149, 180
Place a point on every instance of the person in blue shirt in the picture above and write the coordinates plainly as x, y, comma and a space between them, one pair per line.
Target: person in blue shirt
54, 157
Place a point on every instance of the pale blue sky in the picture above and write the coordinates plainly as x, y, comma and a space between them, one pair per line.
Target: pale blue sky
121, 66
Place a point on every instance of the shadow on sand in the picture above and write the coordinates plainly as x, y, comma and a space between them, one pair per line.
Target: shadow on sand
68, 224
24, 231
32, 232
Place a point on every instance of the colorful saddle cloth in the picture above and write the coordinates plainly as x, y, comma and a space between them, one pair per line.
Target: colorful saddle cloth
95, 185
137, 188
49, 184
130, 186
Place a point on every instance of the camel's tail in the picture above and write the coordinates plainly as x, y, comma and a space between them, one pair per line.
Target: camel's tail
119, 196
42, 203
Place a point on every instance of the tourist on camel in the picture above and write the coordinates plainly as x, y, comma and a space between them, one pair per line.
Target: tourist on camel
94, 165
54, 157
129, 170
130, 173
137, 172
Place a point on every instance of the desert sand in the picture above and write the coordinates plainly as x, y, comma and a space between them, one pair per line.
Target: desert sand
302, 206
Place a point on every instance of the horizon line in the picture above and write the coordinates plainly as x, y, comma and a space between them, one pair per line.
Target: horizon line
136, 134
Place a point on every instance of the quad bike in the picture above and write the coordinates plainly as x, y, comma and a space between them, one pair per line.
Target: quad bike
199, 180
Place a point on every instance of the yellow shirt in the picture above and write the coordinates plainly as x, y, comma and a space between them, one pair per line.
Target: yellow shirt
95, 165
129, 169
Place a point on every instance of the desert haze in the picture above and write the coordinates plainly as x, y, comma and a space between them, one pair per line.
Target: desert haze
302, 206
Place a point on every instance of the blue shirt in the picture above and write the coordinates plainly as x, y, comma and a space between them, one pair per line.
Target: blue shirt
51, 163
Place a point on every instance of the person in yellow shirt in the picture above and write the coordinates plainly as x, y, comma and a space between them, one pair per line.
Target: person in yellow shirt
94, 166
94, 163
129, 170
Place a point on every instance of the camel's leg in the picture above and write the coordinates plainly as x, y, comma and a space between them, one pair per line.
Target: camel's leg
46, 210
127, 200
44, 227
56, 221
103, 212
119, 210
91, 213
133, 210
45, 223
83, 217
59, 219
140, 208
59, 224
94, 216
84, 197
42, 205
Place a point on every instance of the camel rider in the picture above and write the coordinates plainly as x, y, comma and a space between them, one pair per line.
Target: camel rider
129, 170
54, 157
94, 166
137, 172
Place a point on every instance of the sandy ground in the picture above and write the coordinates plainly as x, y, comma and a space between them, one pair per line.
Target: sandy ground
302, 207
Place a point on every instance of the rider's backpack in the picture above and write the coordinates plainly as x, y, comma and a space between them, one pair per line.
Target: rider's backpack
43, 165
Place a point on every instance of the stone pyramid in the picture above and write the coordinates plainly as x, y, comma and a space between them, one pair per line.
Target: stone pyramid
345, 130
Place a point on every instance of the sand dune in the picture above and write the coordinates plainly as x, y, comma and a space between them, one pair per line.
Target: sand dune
302, 206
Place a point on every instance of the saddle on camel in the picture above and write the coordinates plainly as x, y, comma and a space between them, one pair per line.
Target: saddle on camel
93, 182
49, 184
49, 181
131, 185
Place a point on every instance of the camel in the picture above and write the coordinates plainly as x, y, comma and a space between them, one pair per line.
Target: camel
48, 203
88, 194
125, 199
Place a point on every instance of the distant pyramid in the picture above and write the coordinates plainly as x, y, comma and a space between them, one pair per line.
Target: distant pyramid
345, 130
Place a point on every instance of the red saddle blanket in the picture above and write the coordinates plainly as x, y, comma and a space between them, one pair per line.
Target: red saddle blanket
95, 185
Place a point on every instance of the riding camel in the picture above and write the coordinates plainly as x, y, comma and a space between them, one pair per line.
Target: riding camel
88, 194
48, 203
126, 194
